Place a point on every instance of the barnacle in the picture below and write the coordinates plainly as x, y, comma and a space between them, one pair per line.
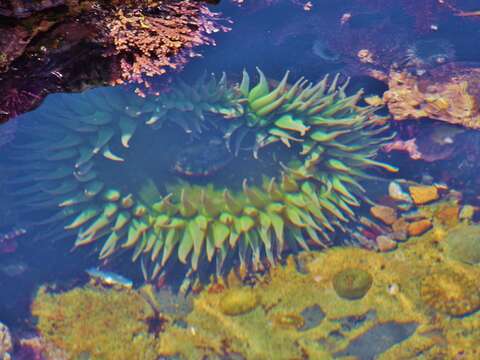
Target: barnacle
96, 161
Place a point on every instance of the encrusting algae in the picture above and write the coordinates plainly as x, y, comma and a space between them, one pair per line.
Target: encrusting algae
452, 293
352, 283
294, 312
104, 323
238, 302
463, 244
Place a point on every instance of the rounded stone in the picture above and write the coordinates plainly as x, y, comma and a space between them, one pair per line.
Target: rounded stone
238, 302
419, 227
352, 284
384, 213
423, 194
385, 243
463, 244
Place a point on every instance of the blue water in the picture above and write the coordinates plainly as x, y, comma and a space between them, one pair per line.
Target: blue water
284, 36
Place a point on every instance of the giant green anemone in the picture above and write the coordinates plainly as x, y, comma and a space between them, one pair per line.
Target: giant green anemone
99, 158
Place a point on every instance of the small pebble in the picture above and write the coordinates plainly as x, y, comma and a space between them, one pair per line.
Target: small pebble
423, 194
393, 289
386, 243
399, 235
401, 225
396, 193
419, 227
384, 213
448, 214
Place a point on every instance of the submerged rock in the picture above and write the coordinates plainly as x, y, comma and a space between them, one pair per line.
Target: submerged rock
448, 93
396, 192
384, 213
451, 293
423, 194
385, 243
463, 244
107, 324
417, 228
352, 284
313, 316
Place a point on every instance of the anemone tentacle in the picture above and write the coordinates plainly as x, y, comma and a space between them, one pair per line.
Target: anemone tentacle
332, 142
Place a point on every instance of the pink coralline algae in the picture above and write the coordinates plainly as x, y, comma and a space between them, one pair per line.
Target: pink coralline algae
149, 40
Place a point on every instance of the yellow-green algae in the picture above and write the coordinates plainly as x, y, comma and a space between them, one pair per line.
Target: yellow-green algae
238, 302
395, 296
104, 323
464, 244
352, 284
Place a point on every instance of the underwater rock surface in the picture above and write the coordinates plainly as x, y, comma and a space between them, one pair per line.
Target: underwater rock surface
352, 284
395, 319
378, 339
448, 93
464, 244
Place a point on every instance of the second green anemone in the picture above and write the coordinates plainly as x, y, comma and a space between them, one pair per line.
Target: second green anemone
100, 154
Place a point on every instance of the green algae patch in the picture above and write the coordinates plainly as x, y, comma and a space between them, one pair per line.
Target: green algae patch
107, 324
352, 284
238, 302
463, 244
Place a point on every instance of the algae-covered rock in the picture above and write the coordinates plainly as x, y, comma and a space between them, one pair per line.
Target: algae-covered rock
451, 293
421, 302
238, 302
352, 284
463, 244
106, 324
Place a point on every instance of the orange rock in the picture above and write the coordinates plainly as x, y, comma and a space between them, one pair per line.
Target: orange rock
423, 194
448, 214
385, 243
417, 228
400, 225
384, 213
